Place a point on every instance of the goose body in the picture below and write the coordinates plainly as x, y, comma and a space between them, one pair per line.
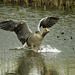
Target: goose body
35, 40
25, 35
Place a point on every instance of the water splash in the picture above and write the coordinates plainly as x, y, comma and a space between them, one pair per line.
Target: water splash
48, 48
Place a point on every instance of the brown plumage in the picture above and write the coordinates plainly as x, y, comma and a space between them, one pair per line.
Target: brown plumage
24, 34
36, 39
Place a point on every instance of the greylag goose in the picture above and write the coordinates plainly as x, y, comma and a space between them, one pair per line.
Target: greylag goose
25, 35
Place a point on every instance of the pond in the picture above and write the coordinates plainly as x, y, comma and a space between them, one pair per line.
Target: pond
58, 45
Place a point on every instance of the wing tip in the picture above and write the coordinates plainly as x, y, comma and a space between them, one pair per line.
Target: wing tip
48, 20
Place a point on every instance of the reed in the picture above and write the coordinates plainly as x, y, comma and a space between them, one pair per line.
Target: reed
59, 4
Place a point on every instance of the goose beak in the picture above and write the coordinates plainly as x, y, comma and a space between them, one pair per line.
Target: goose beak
47, 30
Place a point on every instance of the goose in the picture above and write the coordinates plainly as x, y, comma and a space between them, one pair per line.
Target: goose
24, 33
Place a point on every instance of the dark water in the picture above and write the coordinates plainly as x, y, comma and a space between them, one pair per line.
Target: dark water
60, 41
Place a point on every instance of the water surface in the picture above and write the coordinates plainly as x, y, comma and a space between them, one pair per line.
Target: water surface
61, 38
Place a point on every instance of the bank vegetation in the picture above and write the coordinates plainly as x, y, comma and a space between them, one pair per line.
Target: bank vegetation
46, 4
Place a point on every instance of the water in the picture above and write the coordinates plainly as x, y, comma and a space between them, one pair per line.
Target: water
58, 45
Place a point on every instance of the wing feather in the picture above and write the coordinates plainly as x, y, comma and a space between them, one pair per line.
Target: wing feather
47, 22
20, 28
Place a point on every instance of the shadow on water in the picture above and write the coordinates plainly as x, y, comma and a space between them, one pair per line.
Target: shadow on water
33, 63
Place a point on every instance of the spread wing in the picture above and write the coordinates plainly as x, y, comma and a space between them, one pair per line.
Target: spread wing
47, 22
20, 28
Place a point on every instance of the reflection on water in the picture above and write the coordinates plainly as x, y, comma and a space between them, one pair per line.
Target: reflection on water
60, 59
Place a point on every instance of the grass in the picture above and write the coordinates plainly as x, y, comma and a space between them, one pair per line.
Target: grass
67, 5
